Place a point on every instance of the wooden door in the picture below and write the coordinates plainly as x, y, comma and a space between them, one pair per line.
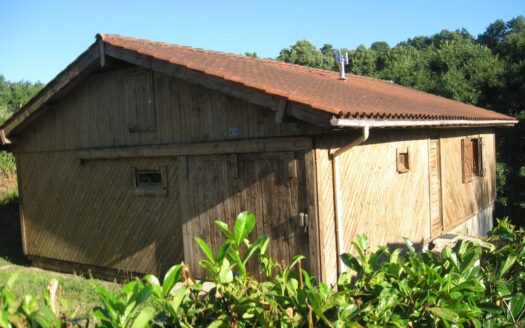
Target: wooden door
436, 217
270, 185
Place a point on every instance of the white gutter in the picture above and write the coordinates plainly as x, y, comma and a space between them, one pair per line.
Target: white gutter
388, 123
338, 204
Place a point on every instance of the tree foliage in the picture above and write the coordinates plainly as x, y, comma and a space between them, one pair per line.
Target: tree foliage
12, 96
487, 71
15, 94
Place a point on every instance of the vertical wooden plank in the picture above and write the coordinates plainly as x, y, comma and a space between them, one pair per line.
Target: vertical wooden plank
21, 204
326, 218
436, 217
313, 214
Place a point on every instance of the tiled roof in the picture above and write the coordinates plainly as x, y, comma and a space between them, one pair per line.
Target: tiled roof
322, 90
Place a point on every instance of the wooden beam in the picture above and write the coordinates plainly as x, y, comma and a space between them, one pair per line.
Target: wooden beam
308, 114
279, 108
79, 68
211, 148
3, 139
101, 53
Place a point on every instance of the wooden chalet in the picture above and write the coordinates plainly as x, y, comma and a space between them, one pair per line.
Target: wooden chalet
137, 146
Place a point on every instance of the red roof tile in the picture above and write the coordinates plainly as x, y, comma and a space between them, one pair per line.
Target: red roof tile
320, 89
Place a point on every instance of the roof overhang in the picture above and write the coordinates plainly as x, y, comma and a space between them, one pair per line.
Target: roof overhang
402, 123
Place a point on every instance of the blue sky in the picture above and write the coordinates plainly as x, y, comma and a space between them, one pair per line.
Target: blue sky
39, 38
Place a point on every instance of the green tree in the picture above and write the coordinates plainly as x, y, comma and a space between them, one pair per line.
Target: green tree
303, 52
380, 46
12, 96
507, 40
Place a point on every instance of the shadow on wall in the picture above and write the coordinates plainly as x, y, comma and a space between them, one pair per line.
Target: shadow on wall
10, 236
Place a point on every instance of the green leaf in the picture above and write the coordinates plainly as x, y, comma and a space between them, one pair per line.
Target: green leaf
225, 273
205, 249
409, 244
223, 250
4, 322
394, 257
516, 304
154, 282
223, 226
234, 256
144, 294
469, 260
472, 285
244, 224
504, 288
144, 317
217, 324
361, 244
251, 250
509, 262
445, 314
170, 279
351, 262
178, 297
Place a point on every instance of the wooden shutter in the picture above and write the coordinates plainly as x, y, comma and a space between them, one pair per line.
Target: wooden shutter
139, 101
466, 155
481, 170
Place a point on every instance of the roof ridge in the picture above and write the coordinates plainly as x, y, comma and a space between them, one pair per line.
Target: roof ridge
272, 61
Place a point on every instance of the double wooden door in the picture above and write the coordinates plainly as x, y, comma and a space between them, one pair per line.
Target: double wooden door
271, 185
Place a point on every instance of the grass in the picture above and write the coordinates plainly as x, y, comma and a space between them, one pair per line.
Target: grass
7, 163
77, 293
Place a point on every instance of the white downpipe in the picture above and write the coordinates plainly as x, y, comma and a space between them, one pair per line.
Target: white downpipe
338, 204
390, 123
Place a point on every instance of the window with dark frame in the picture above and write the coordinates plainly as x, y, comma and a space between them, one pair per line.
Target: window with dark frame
403, 161
472, 156
150, 182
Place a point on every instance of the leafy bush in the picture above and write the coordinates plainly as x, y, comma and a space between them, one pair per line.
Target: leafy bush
472, 285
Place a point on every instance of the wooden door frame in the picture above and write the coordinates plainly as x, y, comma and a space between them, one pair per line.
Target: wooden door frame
313, 215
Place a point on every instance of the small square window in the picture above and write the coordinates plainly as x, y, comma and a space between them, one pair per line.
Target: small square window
150, 182
403, 161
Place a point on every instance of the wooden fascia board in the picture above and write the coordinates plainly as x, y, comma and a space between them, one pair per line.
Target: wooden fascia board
234, 89
81, 67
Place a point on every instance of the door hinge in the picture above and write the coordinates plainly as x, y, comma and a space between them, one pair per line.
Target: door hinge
303, 221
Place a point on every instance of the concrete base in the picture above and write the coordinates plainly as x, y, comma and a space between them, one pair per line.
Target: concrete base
478, 225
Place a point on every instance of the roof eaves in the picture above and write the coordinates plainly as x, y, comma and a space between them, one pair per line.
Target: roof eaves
392, 123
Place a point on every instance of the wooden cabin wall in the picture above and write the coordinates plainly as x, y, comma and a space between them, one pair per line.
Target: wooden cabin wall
94, 115
379, 201
88, 213
85, 211
388, 205
462, 200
